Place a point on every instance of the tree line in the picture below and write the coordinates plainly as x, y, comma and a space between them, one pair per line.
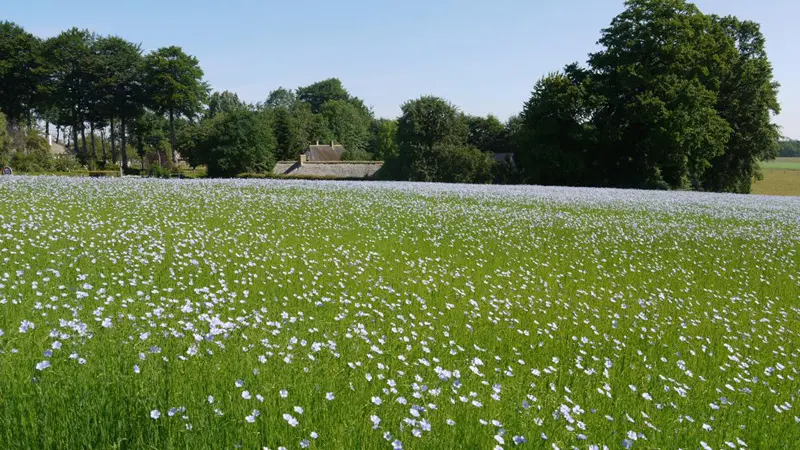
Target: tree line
674, 99
789, 148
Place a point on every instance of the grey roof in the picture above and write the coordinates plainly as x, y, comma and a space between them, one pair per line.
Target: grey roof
324, 153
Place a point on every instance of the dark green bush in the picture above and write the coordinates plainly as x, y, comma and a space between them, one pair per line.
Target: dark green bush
158, 171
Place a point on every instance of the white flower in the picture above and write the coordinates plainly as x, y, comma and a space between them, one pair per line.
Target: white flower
155, 414
290, 420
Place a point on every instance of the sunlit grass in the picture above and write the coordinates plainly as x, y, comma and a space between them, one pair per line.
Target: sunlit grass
566, 317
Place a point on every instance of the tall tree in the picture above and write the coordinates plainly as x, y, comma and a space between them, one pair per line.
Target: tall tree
223, 102
348, 123
175, 82
384, 139
486, 133
237, 142
321, 92
747, 100
69, 84
280, 98
431, 135
20, 71
120, 90
658, 71
554, 142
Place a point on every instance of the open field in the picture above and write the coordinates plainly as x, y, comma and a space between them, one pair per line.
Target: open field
255, 313
782, 163
781, 177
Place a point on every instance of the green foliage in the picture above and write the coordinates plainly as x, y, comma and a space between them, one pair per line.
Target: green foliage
348, 123
322, 92
462, 164
487, 134
429, 121
158, 171
280, 98
356, 155
432, 137
384, 139
676, 99
175, 83
786, 148
20, 71
223, 102
555, 135
235, 143
5, 140
33, 154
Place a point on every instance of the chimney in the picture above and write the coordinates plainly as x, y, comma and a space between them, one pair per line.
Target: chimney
302, 158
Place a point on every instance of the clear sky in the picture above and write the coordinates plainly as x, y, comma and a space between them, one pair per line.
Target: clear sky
484, 56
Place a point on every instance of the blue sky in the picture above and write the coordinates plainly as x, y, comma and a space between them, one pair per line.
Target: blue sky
483, 56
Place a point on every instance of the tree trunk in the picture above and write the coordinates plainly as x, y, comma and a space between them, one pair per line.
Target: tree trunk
113, 143
75, 146
83, 136
140, 148
58, 133
172, 137
91, 136
103, 144
47, 128
123, 141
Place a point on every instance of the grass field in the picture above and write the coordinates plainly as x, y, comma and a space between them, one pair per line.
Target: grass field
782, 163
278, 314
781, 177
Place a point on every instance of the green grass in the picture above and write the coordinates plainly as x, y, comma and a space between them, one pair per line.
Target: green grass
782, 163
567, 297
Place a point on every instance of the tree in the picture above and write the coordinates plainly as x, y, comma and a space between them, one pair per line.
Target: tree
428, 121
237, 142
321, 92
657, 73
384, 139
120, 90
69, 84
431, 139
150, 136
747, 100
5, 140
20, 71
554, 143
487, 134
223, 102
348, 123
175, 82
789, 148
280, 98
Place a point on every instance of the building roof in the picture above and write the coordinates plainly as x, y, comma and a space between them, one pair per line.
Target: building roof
324, 153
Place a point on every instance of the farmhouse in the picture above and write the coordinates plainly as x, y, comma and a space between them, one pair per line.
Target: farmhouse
322, 153
322, 160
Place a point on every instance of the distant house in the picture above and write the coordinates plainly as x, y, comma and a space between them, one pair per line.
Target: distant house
323, 153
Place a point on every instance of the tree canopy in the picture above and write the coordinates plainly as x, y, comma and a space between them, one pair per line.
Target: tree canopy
673, 99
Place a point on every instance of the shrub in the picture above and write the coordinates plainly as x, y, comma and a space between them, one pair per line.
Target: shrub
158, 171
